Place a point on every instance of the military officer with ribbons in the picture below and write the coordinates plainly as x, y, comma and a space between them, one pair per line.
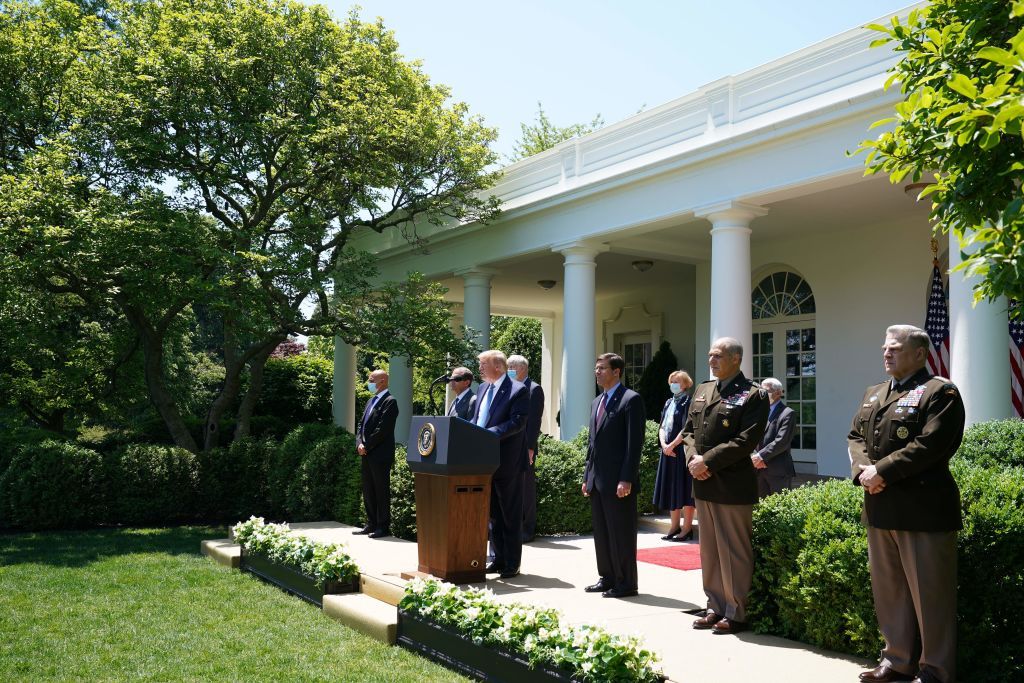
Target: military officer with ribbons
902, 438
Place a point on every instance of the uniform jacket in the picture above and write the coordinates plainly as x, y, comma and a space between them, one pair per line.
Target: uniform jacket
725, 428
377, 431
910, 436
507, 418
536, 411
465, 406
613, 451
774, 448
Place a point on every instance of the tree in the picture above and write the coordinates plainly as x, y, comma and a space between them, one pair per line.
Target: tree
541, 135
522, 336
653, 382
220, 156
959, 129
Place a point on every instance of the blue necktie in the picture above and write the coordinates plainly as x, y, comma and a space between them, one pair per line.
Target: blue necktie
485, 407
366, 413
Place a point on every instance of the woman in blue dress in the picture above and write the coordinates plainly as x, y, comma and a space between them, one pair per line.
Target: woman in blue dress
673, 485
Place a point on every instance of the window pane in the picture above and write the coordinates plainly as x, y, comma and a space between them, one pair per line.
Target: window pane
758, 302
807, 340
810, 440
807, 413
796, 439
793, 389
808, 388
767, 344
807, 305
779, 280
807, 363
792, 340
792, 365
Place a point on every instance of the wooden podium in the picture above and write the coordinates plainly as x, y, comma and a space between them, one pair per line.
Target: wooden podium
453, 461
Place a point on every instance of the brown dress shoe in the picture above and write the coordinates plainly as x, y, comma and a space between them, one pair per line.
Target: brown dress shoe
707, 621
728, 626
883, 673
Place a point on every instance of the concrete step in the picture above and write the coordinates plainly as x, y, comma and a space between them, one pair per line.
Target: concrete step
222, 551
377, 619
384, 587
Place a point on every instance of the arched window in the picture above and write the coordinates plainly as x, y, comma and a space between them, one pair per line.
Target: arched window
785, 347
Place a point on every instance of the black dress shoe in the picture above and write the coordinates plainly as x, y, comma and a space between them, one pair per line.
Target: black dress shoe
362, 532
883, 674
509, 573
619, 593
382, 533
670, 535
599, 587
494, 568
683, 538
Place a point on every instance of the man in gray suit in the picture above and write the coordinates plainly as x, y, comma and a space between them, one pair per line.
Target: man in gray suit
773, 458
464, 404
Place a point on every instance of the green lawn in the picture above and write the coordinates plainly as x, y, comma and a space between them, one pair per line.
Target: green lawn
142, 604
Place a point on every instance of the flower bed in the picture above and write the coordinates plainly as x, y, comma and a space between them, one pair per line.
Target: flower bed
295, 563
517, 635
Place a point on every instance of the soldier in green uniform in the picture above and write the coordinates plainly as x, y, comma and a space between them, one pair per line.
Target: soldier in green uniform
902, 438
725, 423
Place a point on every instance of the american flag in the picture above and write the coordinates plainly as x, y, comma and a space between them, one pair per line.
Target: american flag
936, 324
1017, 365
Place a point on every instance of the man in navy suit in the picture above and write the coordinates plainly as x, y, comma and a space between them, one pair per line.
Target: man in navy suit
773, 458
375, 443
611, 478
464, 404
521, 367
502, 406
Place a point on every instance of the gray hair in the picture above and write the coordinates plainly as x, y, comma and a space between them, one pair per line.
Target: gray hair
772, 385
908, 334
730, 345
516, 361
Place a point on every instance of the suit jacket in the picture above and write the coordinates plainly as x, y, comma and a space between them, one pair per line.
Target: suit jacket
613, 451
909, 436
536, 412
377, 431
465, 406
725, 428
507, 418
774, 448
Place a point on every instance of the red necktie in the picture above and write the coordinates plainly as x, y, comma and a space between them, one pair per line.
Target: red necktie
600, 409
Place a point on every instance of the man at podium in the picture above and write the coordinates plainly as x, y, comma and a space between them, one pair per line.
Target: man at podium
502, 406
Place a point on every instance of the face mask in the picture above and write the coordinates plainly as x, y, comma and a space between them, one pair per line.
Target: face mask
675, 388
512, 374
372, 386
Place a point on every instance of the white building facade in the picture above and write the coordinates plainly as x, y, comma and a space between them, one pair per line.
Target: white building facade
736, 210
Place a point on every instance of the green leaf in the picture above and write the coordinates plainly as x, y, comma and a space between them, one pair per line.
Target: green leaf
1000, 56
963, 85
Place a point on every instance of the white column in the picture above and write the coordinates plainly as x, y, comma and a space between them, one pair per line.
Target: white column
979, 354
578, 334
730, 273
477, 302
400, 386
343, 391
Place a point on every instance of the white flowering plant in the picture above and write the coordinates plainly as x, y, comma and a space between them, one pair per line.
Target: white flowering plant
322, 561
587, 653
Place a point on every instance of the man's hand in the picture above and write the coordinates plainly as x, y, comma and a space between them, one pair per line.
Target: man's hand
583, 489
759, 463
870, 479
698, 468
361, 449
529, 453
623, 489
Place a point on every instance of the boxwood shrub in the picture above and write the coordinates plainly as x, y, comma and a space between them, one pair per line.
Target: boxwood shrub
561, 507
53, 484
999, 443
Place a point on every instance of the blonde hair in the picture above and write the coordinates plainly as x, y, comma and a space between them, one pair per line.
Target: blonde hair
683, 378
494, 355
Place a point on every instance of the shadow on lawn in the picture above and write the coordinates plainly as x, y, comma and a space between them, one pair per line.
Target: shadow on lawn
79, 548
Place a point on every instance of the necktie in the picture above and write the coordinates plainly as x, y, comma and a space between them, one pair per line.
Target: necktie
485, 406
600, 409
451, 408
366, 413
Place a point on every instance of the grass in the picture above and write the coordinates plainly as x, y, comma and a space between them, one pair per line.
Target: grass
143, 604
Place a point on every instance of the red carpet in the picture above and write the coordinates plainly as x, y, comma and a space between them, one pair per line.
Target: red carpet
674, 555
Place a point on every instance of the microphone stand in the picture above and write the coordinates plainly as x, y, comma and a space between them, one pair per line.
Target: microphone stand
443, 379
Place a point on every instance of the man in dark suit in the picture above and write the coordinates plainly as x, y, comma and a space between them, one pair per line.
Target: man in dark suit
773, 458
375, 443
611, 478
903, 436
726, 422
464, 403
521, 366
502, 405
